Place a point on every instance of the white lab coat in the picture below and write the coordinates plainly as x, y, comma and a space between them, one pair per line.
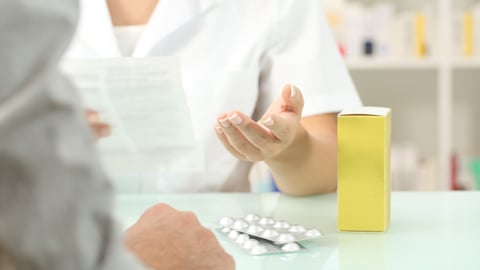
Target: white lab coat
235, 55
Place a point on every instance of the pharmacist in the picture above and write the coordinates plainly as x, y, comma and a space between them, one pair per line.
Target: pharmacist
263, 79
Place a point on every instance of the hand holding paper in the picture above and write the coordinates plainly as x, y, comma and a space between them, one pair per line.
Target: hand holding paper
99, 128
143, 101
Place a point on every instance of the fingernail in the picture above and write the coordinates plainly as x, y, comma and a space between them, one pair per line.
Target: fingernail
218, 129
224, 122
268, 122
293, 91
235, 119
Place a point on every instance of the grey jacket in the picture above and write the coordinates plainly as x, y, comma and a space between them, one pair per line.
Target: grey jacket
55, 202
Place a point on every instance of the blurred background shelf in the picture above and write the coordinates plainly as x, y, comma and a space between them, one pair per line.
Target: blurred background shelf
422, 59
392, 64
406, 64
466, 63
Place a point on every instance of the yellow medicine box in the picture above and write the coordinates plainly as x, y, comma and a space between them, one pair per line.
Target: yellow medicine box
364, 169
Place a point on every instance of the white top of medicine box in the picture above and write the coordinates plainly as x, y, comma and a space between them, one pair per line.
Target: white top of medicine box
379, 111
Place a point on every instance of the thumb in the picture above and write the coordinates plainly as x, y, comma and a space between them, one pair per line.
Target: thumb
293, 100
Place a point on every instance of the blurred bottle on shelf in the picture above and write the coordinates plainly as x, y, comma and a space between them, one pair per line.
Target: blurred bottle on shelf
378, 31
334, 12
420, 35
466, 32
474, 166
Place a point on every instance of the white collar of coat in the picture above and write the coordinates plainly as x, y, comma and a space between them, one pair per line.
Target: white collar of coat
96, 30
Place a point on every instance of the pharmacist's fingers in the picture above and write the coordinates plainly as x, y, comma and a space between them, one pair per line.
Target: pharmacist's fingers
292, 100
256, 134
236, 139
100, 129
242, 145
223, 139
92, 116
284, 115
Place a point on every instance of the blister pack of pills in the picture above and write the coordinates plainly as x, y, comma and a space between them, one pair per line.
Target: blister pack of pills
264, 235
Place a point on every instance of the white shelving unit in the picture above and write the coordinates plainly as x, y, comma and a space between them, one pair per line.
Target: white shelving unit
391, 64
444, 78
433, 100
466, 64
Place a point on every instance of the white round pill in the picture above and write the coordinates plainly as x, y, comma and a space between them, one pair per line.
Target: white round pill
250, 243
252, 217
281, 225
240, 225
258, 250
270, 233
233, 234
285, 238
297, 228
266, 221
254, 229
226, 230
313, 233
242, 238
226, 221
291, 247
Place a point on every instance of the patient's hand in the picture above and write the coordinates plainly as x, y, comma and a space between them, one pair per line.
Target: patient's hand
168, 239
99, 128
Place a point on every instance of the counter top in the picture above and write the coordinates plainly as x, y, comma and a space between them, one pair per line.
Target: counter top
428, 230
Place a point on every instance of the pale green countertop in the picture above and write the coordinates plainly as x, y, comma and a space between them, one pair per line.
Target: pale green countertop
437, 230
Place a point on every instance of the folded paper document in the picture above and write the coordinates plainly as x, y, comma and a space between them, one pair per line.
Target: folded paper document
144, 102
